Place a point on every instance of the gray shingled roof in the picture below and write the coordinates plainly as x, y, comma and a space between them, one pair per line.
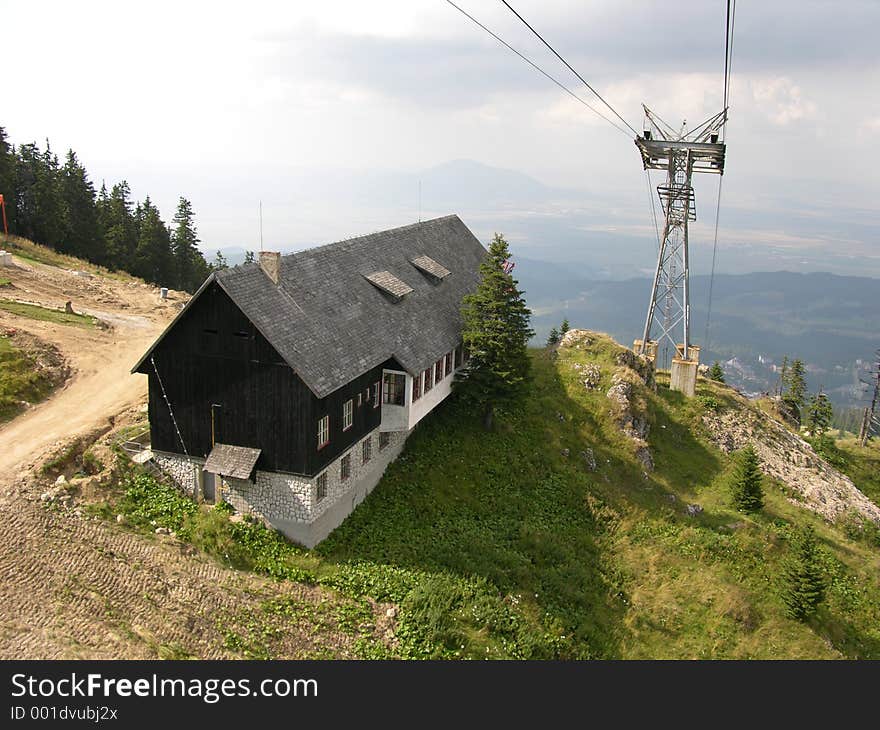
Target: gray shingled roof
231, 461
330, 324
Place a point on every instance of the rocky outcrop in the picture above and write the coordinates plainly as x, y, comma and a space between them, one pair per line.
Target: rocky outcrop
631, 411
589, 373
629, 407
787, 457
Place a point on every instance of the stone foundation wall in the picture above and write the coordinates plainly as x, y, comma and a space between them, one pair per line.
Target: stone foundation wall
289, 502
184, 471
272, 495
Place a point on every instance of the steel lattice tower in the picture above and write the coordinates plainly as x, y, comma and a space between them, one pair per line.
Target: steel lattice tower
680, 154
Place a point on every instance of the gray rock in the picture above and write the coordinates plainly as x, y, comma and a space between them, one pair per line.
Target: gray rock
589, 458
643, 454
694, 509
565, 452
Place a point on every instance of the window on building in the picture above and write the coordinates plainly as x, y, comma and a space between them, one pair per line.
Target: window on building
417, 387
323, 431
394, 389
438, 370
368, 449
345, 467
359, 400
321, 487
384, 439
448, 364
428, 377
367, 395
376, 399
347, 415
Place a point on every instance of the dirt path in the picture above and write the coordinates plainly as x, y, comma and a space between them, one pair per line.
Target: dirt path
100, 359
76, 586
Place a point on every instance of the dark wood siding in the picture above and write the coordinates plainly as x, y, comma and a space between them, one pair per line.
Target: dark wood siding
214, 360
365, 419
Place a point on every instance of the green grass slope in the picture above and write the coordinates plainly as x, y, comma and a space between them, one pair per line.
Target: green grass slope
20, 380
606, 563
507, 545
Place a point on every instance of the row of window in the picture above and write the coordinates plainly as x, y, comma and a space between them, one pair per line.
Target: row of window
441, 369
345, 464
348, 413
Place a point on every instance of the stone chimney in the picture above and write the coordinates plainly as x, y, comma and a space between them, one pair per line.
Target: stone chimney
270, 263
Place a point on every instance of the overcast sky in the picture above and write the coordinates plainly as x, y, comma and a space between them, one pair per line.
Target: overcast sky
228, 103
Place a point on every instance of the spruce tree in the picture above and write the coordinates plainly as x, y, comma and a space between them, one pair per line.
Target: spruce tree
153, 261
804, 584
716, 373
102, 208
564, 327
746, 485
496, 332
120, 235
82, 236
219, 263
795, 384
190, 265
819, 414
783, 374
553, 337
7, 178
49, 224
27, 173
249, 257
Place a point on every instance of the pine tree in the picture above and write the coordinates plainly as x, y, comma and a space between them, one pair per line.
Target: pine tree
795, 389
564, 327
120, 236
783, 374
804, 584
795, 383
716, 373
8, 178
219, 262
553, 337
746, 485
190, 265
496, 332
82, 235
819, 414
102, 208
153, 261
249, 257
29, 176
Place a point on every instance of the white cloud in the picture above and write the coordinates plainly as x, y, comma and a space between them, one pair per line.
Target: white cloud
782, 101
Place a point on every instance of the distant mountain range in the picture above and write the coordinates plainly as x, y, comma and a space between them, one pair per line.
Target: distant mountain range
601, 233
831, 322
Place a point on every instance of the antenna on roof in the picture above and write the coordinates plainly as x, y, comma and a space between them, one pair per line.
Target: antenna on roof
420, 201
261, 225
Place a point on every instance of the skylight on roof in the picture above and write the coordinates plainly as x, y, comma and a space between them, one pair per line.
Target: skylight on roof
389, 283
429, 266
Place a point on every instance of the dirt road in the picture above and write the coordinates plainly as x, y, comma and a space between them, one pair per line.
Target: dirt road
100, 359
